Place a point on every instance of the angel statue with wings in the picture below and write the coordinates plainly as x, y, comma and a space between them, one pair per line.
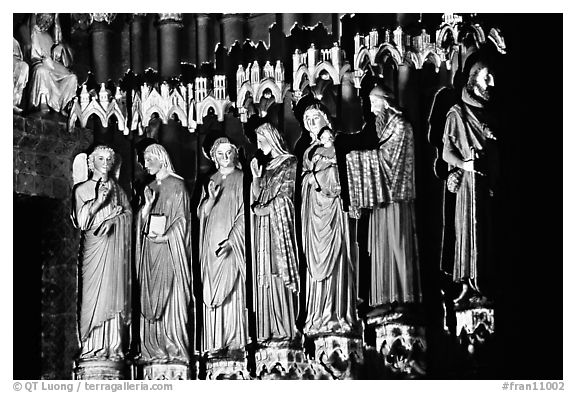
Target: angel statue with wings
101, 210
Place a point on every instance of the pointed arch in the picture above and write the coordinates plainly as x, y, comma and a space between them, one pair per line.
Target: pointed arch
268, 83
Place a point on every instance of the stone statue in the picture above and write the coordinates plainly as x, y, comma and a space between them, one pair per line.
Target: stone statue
471, 150
163, 263
392, 240
331, 275
275, 254
222, 253
101, 210
53, 85
20, 75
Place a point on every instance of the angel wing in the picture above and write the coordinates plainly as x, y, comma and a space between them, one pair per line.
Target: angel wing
117, 165
80, 168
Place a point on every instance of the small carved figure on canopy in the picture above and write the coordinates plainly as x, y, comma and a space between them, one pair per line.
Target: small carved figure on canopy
222, 253
53, 85
102, 212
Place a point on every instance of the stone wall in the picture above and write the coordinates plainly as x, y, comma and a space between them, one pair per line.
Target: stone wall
43, 154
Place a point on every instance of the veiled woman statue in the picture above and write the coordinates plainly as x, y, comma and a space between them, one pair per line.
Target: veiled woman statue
222, 253
274, 239
52, 83
163, 264
102, 212
331, 283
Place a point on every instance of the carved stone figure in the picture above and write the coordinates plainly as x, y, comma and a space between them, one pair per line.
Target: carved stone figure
163, 263
276, 281
20, 75
326, 241
101, 210
53, 84
222, 253
471, 150
392, 240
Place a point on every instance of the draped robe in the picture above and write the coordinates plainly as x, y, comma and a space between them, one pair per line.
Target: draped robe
469, 134
49, 77
275, 252
164, 275
105, 271
331, 275
392, 242
224, 276
19, 74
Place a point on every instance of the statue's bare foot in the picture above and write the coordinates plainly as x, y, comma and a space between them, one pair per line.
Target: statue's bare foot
463, 295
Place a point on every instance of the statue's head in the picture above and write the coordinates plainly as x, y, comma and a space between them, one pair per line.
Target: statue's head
270, 141
480, 82
44, 21
101, 160
315, 118
224, 153
381, 98
155, 158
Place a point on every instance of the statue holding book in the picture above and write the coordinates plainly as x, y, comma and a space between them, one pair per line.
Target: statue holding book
163, 263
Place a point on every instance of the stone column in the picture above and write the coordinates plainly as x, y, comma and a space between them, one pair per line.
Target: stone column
168, 26
203, 26
288, 21
101, 45
233, 26
137, 26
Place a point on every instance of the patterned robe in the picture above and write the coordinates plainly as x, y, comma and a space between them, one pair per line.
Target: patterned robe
275, 252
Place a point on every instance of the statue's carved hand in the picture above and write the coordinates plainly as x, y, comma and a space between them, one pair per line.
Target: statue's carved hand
255, 168
224, 248
104, 229
149, 196
154, 238
102, 191
214, 190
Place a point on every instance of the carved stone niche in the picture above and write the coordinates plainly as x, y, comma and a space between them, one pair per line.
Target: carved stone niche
402, 343
280, 360
338, 357
232, 365
169, 371
101, 369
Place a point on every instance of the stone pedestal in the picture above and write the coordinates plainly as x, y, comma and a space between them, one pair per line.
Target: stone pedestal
170, 371
337, 357
227, 366
101, 370
402, 343
280, 361
475, 331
